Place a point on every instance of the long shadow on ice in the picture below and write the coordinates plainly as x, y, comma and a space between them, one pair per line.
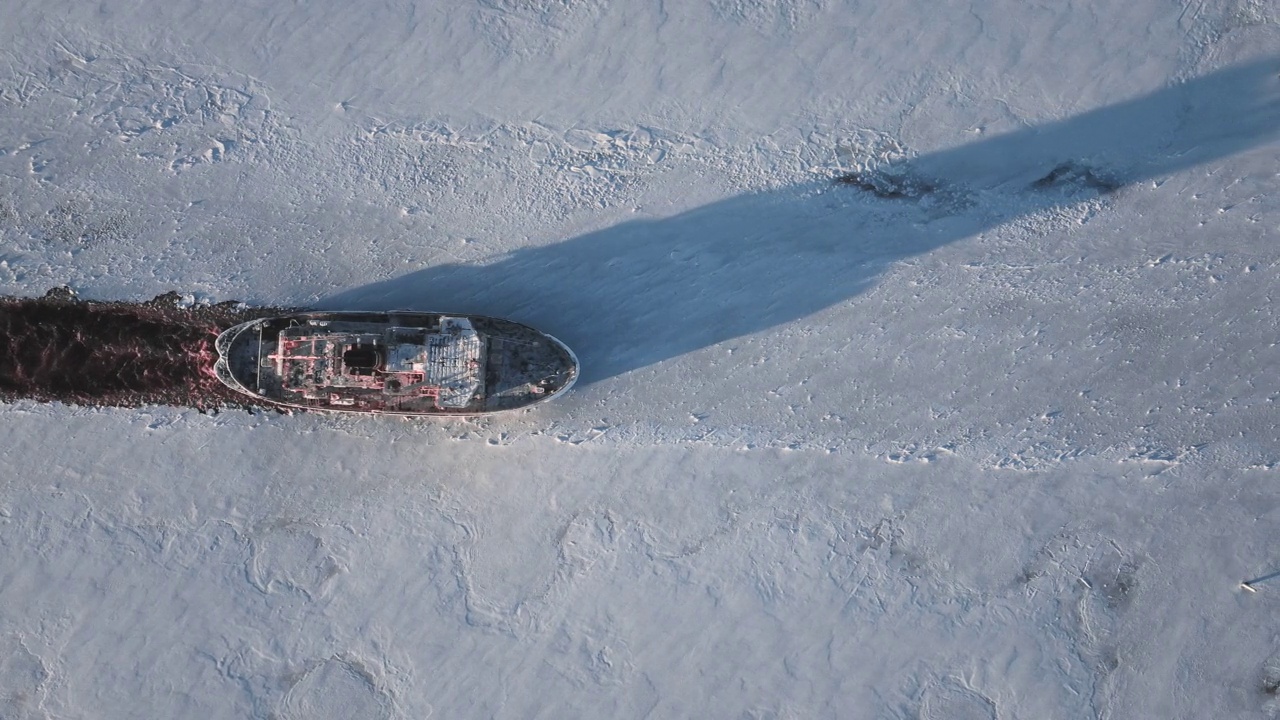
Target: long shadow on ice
648, 290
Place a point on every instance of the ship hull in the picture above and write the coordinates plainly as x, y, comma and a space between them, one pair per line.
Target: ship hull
394, 363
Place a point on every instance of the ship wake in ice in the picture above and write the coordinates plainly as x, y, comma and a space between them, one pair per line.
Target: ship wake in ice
125, 354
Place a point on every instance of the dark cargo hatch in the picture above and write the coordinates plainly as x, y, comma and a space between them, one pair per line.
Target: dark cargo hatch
362, 359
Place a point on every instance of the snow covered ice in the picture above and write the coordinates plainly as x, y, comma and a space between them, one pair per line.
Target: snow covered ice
929, 359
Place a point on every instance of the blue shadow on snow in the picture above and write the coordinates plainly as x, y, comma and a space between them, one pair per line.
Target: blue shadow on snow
648, 290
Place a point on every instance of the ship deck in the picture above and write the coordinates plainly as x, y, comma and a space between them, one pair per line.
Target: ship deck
395, 363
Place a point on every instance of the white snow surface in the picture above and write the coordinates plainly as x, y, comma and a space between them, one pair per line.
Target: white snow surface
992, 449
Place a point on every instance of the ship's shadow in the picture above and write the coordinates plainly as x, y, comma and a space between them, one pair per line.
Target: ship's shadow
648, 290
